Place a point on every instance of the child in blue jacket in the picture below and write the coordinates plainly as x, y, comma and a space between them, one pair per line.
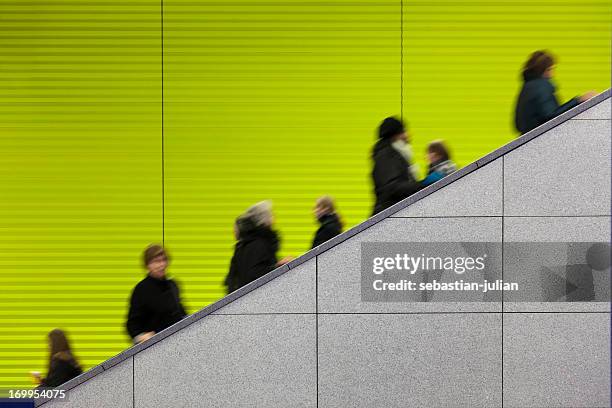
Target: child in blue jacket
440, 164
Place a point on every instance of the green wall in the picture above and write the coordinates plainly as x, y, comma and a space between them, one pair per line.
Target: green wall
262, 100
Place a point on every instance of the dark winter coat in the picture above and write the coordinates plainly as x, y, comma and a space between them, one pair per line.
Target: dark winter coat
154, 306
393, 180
538, 104
61, 370
330, 227
254, 256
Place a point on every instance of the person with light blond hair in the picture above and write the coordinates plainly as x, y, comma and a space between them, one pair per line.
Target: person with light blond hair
256, 247
330, 224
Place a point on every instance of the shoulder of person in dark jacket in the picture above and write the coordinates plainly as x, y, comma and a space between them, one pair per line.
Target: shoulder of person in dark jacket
263, 243
139, 306
330, 226
382, 147
537, 103
63, 367
393, 180
254, 256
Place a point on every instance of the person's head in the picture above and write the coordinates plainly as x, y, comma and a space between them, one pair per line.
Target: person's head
437, 152
323, 206
243, 225
58, 342
393, 129
155, 259
539, 65
261, 214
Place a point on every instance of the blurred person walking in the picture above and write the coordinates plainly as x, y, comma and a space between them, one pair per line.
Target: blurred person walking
155, 303
537, 102
256, 247
63, 366
394, 175
440, 163
330, 224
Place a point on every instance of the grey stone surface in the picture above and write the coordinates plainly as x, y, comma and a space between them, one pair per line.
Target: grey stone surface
111, 388
556, 307
557, 229
292, 292
339, 269
76, 381
551, 124
600, 111
526, 269
399, 360
231, 361
565, 172
557, 360
558, 274
476, 194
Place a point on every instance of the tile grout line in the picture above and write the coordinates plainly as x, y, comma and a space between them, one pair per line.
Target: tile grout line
502, 270
422, 312
317, 326
402, 59
163, 164
500, 216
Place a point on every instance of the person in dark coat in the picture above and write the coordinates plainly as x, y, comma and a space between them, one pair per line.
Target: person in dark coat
155, 303
63, 366
393, 174
330, 224
537, 102
256, 247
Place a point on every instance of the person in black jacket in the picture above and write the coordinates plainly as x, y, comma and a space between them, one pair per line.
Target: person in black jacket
328, 219
537, 102
256, 248
155, 303
393, 174
63, 366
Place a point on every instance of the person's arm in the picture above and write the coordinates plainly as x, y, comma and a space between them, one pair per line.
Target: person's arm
549, 106
402, 188
137, 315
56, 375
326, 233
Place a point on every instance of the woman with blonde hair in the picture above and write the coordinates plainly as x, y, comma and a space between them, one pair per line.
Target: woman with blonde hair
256, 246
330, 224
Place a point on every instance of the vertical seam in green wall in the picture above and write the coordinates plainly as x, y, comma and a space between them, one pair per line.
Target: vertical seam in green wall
402, 59
163, 172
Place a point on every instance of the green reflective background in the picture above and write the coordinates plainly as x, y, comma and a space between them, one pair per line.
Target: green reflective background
262, 100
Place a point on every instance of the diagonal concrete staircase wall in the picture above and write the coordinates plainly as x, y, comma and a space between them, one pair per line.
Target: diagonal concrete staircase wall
303, 336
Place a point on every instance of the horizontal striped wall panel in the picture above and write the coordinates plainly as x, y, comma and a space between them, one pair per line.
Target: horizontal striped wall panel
261, 100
